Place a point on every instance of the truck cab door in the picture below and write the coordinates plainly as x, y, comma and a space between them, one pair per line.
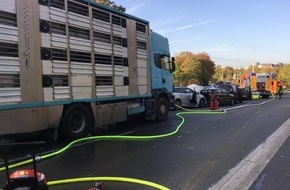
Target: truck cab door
167, 76
165, 68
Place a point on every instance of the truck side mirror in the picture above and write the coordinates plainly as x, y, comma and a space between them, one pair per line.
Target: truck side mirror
172, 65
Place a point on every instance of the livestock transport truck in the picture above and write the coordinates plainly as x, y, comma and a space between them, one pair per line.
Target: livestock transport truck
69, 67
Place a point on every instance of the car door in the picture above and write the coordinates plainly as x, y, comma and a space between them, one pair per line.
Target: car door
222, 94
226, 96
184, 96
190, 95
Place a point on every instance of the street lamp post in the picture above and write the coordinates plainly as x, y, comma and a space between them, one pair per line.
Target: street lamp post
254, 59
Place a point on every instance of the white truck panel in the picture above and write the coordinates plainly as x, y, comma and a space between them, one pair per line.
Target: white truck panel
80, 44
80, 92
122, 90
117, 30
8, 6
118, 50
60, 67
142, 54
48, 94
8, 33
45, 40
104, 91
100, 47
57, 15
9, 64
101, 26
44, 12
143, 89
118, 70
104, 69
125, 71
56, 93
82, 80
142, 72
47, 67
78, 20
142, 81
141, 36
58, 41
118, 81
61, 92
10, 95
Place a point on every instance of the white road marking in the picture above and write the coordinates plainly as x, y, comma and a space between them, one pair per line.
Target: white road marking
251, 104
245, 173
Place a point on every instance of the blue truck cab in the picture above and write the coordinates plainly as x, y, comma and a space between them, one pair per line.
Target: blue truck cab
162, 68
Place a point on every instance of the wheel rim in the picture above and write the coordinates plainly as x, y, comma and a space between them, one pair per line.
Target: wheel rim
163, 109
77, 122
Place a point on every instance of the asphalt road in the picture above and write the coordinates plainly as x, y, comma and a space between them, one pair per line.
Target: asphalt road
198, 156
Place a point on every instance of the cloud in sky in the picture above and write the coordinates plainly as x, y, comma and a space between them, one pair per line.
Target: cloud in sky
135, 8
195, 24
185, 27
163, 22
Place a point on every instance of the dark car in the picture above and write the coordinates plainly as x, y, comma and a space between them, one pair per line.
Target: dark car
224, 97
246, 93
234, 90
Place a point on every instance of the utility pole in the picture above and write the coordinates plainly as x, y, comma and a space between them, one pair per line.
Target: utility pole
253, 69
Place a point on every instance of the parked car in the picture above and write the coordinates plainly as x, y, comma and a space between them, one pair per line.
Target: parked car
234, 90
246, 93
223, 97
187, 97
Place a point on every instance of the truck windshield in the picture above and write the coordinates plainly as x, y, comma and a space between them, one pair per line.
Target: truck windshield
162, 61
165, 63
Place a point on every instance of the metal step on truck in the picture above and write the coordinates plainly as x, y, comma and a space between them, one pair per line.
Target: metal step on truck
68, 67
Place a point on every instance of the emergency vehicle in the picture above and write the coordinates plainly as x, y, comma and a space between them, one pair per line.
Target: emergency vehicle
262, 83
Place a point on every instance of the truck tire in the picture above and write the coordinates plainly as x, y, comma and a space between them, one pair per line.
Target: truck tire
76, 122
162, 109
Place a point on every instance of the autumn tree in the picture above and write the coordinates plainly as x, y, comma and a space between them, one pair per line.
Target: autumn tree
284, 75
111, 4
193, 68
183, 72
204, 69
218, 75
229, 73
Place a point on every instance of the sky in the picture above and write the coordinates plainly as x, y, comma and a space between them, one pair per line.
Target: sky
236, 33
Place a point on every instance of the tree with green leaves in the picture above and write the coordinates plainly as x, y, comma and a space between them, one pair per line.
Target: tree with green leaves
284, 75
111, 4
204, 69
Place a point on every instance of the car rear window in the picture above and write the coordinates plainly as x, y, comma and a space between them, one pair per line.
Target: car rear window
226, 87
180, 90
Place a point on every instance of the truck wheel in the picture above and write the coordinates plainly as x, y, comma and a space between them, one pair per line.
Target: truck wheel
76, 122
162, 109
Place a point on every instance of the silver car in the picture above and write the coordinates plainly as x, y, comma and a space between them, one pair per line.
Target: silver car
187, 97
